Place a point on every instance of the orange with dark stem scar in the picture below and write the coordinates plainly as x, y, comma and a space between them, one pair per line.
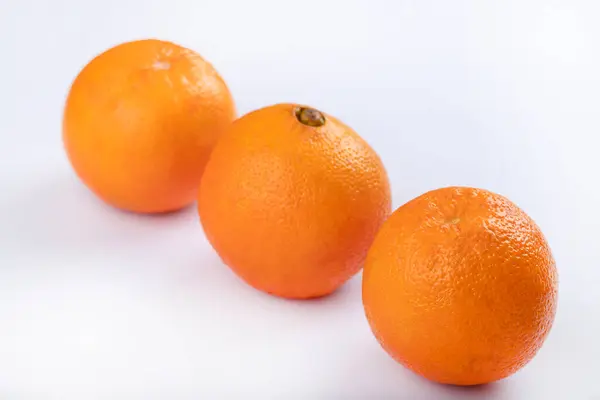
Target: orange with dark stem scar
291, 200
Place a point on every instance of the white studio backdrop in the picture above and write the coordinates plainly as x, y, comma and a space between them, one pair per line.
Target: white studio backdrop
98, 304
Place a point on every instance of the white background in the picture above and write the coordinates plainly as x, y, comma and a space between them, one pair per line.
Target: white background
98, 304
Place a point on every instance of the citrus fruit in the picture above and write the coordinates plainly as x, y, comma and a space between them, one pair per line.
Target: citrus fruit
460, 286
140, 121
291, 200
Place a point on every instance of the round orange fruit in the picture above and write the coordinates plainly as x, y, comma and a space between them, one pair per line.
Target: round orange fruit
140, 121
291, 200
460, 286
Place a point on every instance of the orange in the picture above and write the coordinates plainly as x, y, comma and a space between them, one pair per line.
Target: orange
460, 286
291, 200
140, 121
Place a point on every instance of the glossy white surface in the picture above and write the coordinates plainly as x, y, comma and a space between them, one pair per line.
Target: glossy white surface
98, 304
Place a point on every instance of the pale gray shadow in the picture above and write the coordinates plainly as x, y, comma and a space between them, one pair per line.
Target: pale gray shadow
61, 217
492, 391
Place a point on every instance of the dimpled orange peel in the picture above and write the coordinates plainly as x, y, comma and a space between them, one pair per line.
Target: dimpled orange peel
291, 200
140, 121
460, 286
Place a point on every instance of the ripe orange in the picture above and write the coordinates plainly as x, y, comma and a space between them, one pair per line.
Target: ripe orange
291, 200
140, 121
460, 286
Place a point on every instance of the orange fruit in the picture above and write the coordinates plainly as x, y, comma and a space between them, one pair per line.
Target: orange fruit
460, 286
291, 200
140, 121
